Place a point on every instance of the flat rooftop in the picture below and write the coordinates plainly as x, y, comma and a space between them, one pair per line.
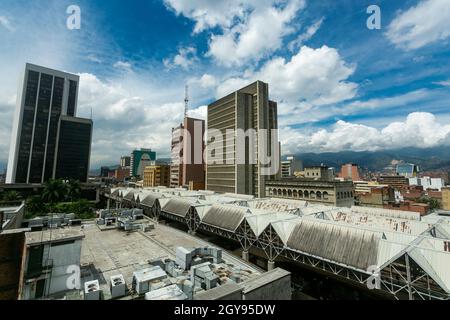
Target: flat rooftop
53, 235
113, 252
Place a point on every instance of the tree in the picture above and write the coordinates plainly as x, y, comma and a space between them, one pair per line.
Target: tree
11, 196
35, 206
54, 191
73, 189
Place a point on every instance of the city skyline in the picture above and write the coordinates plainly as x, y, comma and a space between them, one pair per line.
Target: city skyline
381, 85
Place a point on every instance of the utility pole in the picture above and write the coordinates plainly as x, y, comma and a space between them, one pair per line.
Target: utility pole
186, 101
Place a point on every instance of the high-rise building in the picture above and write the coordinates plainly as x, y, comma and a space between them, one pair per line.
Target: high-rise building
237, 165
157, 176
73, 148
350, 171
290, 166
43, 97
139, 160
187, 153
125, 161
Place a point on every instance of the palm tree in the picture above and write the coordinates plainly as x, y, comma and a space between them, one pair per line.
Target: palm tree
35, 206
12, 196
73, 189
54, 191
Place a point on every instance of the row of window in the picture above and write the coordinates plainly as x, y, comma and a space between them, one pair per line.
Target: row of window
300, 194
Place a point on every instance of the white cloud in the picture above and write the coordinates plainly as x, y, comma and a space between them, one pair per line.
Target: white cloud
6, 23
122, 65
421, 25
249, 29
445, 83
307, 35
256, 37
312, 76
420, 129
185, 59
209, 14
124, 121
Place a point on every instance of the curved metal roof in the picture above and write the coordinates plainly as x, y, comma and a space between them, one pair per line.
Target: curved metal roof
349, 246
225, 217
179, 207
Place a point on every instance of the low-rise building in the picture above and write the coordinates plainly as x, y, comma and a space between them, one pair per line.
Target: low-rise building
335, 193
157, 176
51, 258
396, 182
376, 196
427, 183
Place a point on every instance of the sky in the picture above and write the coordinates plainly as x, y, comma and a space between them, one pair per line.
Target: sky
339, 85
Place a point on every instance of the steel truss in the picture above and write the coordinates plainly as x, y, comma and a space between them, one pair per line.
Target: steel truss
402, 278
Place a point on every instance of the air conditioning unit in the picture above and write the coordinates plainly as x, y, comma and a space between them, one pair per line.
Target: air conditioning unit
118, 286
92, 290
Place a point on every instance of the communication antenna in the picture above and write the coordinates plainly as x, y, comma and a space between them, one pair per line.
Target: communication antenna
186, 101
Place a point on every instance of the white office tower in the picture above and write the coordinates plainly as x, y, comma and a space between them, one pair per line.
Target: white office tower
44, 95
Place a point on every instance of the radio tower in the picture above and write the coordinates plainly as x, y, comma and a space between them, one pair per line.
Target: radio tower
186, 102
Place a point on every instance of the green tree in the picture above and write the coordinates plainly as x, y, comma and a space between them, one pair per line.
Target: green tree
35, 206
11, 196
73, 190
433, 203
54, 191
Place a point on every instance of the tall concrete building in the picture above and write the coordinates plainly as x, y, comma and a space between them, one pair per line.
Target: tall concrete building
187, 165
43, 97
246, 109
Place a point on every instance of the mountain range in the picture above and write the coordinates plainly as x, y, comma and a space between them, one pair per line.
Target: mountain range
428, 159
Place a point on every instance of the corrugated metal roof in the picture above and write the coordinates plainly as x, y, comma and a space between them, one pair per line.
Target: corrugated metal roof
349, 246
225, 217
177, 206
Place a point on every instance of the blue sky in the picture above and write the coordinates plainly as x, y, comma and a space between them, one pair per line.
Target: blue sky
339, 85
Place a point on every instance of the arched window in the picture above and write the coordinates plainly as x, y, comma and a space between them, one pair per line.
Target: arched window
300, 194
325, 195
290, 193
306, 194
284, 193
280, 193
312, 195
295, 194
319, 195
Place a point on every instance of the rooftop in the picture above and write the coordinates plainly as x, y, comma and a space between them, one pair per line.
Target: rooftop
53, 235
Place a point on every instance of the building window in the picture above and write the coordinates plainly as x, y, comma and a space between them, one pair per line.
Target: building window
306, 193
319, 195
325, 195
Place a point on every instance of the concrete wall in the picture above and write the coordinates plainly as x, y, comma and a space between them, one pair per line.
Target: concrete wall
268, 287
11, 248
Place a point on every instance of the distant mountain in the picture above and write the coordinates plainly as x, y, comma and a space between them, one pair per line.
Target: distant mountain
427, 159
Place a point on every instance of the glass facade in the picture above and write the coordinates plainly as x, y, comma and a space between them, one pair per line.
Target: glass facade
40, 129
72, 98
73, 150
57, 100
32, 85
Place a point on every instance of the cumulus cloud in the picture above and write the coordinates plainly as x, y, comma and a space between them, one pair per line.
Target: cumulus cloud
124, 121
312, 77
249, 30
420, 129
261, 34
185, 59
209, 14
421, 25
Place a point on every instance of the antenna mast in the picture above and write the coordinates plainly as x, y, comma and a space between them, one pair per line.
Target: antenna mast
186, 101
